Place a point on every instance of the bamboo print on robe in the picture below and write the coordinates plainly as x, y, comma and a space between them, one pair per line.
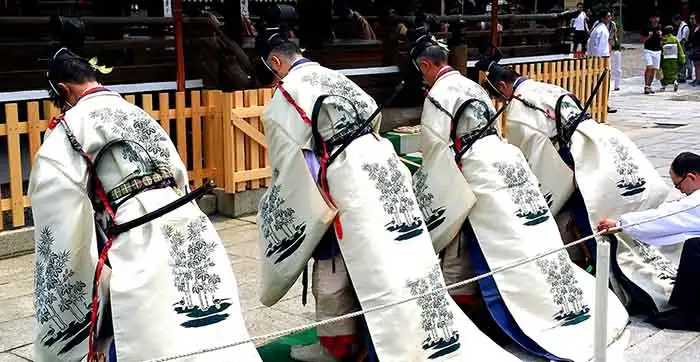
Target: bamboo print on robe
395, 197
630, 182
279, 225
436, 318
191, 263
433, 217
524, 193
59, 299
566, 293
651, 256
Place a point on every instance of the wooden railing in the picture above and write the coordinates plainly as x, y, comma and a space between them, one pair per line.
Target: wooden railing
218, 135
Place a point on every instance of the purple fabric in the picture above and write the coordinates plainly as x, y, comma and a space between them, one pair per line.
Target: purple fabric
312, 163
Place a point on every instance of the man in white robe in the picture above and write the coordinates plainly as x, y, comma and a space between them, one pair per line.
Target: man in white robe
673, 223
163, 288
589, 170
510, 221
384, 252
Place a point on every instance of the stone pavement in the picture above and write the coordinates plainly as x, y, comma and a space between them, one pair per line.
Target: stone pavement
662, 124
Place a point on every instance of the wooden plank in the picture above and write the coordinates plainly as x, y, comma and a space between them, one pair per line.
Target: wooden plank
239, 141
181, 125
250, 111
242, 176
229, 143
131, 98
264, 99
50, 110
206, 173
577, 78
147, 103
253, 143
214, 134
196, 138
6, 205
15, 164
606, 91
250, 131
565, 74
164, 114
34, 130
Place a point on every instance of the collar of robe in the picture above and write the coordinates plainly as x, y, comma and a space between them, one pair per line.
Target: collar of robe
299, 62
444, 70
96, 89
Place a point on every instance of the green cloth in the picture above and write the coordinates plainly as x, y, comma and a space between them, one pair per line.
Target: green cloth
670, 67
278, 350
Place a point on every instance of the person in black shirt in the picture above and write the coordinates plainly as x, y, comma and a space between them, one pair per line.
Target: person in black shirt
651, 36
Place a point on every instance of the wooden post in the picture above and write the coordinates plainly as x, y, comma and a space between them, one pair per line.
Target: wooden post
179, 45
494, 26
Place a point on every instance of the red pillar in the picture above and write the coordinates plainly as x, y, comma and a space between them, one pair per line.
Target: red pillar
179, 45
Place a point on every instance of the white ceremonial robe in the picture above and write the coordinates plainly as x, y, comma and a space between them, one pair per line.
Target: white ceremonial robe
382, 235
612, 174
545, 306
170, 287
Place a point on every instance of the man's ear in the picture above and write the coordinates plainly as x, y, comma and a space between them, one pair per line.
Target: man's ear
62, 88
276, 62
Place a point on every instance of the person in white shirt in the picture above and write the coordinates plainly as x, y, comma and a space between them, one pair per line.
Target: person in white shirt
682, 225
599, 40
615, 55
580, 26
683, 36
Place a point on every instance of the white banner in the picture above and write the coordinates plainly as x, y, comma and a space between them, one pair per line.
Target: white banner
167, 8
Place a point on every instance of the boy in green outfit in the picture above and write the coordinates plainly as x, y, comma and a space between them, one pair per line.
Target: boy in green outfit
672, 59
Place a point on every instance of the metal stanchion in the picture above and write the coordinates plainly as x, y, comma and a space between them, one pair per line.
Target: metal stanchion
600, 333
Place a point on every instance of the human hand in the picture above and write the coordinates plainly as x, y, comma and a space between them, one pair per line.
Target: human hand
606, 224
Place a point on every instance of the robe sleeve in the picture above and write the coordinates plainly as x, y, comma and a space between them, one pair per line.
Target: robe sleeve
685, 219
60, 203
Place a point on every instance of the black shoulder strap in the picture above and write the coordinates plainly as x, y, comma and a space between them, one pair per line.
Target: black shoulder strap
319, 143
562, 134
460, 111
92, 177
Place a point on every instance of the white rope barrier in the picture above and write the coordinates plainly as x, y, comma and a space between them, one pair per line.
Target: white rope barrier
600, 346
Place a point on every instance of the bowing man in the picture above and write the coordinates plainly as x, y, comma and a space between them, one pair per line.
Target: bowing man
160, 289
588, 170
544, 306
330, 168
681, 226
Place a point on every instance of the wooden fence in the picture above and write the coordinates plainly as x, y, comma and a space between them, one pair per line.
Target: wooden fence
192, 119
218, 135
